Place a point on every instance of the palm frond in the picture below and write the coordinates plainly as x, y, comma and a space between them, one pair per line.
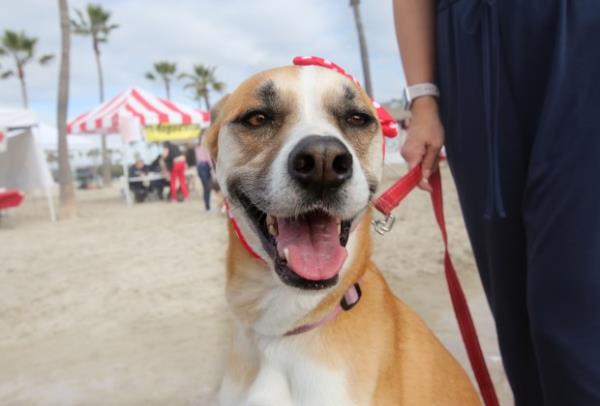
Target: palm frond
7, 74
150, 76
80, 27
45, 59
11, 40
94, 22
165, 67
185, 76
218, 86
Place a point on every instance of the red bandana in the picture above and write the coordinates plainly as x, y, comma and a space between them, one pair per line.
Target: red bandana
389, 126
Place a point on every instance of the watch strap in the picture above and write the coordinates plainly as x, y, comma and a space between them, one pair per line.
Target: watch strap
419, 90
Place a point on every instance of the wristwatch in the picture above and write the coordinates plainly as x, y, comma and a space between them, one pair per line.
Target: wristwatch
419, 90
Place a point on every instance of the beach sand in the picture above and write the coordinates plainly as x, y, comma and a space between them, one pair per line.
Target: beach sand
125, 306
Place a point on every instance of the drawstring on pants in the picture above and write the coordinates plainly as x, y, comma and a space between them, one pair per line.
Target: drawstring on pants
490, 40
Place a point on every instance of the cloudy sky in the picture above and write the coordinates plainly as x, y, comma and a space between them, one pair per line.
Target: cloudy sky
240, 37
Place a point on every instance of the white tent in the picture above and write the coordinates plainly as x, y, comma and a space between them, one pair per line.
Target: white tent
79, 145
23, 165
47, 136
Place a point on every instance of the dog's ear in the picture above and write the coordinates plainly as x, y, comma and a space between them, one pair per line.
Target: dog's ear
211, 138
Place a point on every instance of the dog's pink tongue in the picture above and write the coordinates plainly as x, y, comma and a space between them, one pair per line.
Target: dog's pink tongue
313, 243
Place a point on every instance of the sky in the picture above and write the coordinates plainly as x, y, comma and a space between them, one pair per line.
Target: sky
239, 37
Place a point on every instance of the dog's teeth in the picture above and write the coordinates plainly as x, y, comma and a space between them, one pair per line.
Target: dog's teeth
286, 253
339, 228
272, 225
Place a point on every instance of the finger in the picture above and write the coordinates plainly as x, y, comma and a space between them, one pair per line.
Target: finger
412, 152
429, 161
428, 167
424, 185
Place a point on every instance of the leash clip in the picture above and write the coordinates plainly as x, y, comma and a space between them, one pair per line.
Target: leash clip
385, 225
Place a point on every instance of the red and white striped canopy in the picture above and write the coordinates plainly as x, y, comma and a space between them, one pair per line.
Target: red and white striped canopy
138, 104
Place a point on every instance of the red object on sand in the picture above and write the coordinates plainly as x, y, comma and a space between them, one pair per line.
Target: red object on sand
10, 198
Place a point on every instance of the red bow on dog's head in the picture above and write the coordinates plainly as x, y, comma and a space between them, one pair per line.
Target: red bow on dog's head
389, 126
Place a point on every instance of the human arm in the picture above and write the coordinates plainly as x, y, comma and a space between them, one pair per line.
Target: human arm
415, 31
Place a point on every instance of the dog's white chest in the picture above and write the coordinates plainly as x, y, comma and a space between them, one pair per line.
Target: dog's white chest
286, 377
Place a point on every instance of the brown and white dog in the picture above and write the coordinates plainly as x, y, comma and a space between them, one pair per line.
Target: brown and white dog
298, 153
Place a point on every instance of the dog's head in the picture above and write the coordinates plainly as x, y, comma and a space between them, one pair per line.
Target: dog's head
298, 153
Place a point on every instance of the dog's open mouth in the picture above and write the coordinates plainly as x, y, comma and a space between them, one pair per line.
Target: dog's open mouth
309, 250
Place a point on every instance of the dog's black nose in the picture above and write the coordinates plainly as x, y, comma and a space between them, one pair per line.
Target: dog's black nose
320, 163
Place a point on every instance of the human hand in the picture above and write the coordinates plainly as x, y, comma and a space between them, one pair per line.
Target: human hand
425, 139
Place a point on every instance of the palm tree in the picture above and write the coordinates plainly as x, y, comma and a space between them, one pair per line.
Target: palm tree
68, 204
22, 49
165, 71
95, 23
202, 81
362, 42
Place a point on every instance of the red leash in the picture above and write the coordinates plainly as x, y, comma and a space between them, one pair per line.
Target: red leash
388, 201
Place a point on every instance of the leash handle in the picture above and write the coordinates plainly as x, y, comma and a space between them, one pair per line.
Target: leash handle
388, 201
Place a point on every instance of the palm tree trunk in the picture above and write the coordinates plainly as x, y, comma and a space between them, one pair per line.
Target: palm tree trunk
24, 97
68, 204
106, 164
207, 102
364, 54
99, 69
168, 89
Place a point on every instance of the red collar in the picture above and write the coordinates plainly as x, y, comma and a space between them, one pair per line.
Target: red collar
239, 234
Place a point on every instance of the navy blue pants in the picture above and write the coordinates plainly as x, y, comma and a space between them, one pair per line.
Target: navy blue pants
203, 169
520, 103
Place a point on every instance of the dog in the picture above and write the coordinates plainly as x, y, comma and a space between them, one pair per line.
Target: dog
298, 152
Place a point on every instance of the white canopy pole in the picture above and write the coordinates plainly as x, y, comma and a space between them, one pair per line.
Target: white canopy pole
125, 152
51, 205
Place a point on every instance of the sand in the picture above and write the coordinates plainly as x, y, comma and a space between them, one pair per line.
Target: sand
125, 306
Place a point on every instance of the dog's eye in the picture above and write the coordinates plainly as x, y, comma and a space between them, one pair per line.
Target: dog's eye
255, 119
358, 119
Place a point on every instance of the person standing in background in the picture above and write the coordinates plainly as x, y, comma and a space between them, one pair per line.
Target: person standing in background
518, 100
204, 166
190, 155
175, 161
